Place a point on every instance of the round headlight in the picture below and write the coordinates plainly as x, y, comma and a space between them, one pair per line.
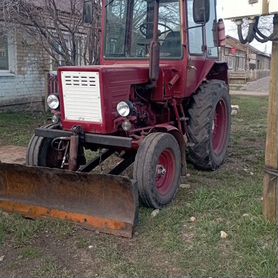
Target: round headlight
53, 102
123, 109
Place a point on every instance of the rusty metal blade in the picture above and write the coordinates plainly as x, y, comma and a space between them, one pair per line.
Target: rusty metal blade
105, 203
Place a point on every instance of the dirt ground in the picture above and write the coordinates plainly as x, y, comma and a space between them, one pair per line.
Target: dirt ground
259, 88
12, 154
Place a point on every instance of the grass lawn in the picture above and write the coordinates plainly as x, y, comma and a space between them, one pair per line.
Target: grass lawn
17, 128
169, 244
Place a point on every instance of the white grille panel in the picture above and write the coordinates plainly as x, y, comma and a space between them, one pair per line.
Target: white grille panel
81, 92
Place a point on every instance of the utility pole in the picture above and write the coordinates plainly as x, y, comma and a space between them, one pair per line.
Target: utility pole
271, 152
252, 10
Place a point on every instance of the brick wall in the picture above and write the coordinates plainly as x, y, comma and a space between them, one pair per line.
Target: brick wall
25, 87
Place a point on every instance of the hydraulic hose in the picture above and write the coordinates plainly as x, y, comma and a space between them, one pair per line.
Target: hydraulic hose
251, 33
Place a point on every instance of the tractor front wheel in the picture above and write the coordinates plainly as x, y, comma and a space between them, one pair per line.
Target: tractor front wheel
157, 169
209, 125
41, 152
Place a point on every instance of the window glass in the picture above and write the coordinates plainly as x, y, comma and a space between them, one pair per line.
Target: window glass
116, 26
169, 27
4, 55
195, 34
230, 61
212, 49
129, 28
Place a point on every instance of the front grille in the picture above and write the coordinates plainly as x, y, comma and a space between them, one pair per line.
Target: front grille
81, 93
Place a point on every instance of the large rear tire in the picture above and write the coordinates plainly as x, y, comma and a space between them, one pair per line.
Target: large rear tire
209, 125
157, 169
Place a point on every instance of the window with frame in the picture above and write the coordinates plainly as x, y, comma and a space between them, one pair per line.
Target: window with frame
230, 62
241, 63
4, 53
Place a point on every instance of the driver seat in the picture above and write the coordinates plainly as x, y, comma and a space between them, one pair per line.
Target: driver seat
171, 47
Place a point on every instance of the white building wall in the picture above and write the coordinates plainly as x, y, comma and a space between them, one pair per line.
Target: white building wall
25, 82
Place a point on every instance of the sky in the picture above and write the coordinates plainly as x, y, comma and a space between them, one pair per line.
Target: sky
231, 30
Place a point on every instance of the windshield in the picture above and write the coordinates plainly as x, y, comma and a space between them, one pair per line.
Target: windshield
129, 28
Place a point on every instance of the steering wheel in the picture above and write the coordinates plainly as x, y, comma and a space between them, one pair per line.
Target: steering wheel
143, 29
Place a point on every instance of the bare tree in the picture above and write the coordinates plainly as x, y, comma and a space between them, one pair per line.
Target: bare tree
57, 26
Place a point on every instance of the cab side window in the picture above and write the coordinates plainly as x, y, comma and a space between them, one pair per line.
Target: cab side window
195, 32
212, 49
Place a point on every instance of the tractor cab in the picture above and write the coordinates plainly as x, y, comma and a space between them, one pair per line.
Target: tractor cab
181, 34
183, 27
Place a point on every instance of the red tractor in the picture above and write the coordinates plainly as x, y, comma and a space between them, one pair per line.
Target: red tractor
158, 98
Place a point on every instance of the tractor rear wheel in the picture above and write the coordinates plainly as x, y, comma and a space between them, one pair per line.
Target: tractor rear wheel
41, 153
209, 125
157, 169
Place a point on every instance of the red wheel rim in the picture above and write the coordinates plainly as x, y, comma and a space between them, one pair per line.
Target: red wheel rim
220, 127
165, 171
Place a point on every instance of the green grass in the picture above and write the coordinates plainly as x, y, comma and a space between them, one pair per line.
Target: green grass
30, 253
23, 231
17, 128
50, 268
228, 199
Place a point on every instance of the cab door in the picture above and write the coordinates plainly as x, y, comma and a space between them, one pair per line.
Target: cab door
195, 49
200, 44
211, 48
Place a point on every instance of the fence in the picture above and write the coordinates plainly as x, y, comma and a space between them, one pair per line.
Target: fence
242, 77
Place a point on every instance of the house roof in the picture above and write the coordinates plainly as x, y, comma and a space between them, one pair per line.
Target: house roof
235, 43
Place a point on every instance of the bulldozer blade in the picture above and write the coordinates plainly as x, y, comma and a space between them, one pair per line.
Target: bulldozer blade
105, 203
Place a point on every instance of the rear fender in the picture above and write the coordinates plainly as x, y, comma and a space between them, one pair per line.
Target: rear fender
219, 71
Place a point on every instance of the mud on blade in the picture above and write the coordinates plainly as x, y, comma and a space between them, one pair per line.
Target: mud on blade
105, 203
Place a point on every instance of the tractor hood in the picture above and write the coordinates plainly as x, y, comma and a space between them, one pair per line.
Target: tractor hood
89, 95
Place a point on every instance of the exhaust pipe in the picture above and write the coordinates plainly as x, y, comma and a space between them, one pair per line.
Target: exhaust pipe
154, 49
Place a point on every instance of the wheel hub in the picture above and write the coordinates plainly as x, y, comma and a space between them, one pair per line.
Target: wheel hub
160, 170
165, 172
